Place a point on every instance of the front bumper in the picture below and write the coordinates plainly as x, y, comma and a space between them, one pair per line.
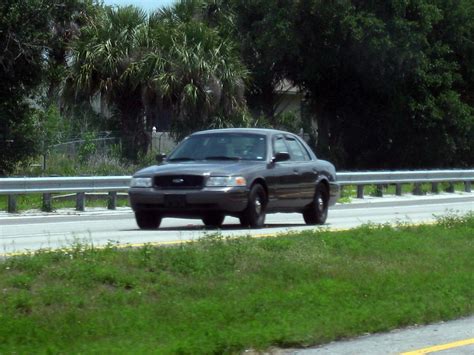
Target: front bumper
189, 202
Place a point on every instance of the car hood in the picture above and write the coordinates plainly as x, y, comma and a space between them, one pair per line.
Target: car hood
202, 168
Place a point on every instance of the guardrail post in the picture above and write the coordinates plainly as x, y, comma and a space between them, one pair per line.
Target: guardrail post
379, 190
360, 191
398, 189
450, 188
80, 201
467, 186
112, 200
435, 188
12, 208
47, 205
417, 189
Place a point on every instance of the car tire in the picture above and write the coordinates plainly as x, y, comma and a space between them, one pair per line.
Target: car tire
317, 211
254, 215
147, 219
213, 220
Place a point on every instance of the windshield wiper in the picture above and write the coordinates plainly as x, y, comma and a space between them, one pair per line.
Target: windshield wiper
222, 157
181, 159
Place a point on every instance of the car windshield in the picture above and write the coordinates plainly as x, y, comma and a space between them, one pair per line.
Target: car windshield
221, 146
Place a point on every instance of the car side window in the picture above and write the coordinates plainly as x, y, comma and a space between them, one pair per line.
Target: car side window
307, 155
297, 151
279, 145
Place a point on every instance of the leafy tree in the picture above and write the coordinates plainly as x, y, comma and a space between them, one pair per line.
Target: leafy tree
66, 19
105, 49
143, 65
263, 30
28, 38
23, 34
266, 42
383, 82
202, 76
389, 83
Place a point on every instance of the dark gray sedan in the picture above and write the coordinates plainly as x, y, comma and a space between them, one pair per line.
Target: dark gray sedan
240, 172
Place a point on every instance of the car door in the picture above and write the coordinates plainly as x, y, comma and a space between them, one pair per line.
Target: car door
304, 176
279, 176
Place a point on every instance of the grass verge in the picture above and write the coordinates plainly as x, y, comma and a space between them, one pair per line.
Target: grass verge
226, 295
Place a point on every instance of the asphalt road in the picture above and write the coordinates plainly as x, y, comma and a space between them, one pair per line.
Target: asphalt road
446, 338
29, 231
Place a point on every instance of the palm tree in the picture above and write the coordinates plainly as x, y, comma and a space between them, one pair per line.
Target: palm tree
141, 65
193, 70
203, 78
100, 57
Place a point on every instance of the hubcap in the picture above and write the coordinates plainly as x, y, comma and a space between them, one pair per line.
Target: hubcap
320, 203
258, 206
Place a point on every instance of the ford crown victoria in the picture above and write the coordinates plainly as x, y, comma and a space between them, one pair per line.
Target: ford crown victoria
241, 172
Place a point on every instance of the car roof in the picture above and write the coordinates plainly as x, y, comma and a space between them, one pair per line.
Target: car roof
266, 131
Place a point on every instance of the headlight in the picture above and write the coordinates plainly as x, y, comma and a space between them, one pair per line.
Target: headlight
140, 182
226, 181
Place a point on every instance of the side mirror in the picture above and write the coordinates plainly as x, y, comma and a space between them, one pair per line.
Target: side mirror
160, 157
281, 156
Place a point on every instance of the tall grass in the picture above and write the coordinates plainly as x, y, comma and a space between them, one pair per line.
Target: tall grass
95, 162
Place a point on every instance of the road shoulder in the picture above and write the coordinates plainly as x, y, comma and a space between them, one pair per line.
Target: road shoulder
455, 335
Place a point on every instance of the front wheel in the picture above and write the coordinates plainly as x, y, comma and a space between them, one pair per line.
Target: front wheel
213, 220
254, 215
317, 211
147, 219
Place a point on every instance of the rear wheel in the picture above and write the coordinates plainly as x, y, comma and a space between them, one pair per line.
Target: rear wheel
254, 215
317, 211
147, 219
213, 220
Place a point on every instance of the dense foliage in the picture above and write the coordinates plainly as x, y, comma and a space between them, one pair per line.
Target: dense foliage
390, 83
386, 84
33, 40
384, 79
146, 66
23, 33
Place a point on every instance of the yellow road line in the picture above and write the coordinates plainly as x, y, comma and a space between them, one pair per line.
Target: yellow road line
436, 348
130, 245
175, 242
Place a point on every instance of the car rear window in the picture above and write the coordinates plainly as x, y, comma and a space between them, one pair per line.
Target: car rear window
297, 151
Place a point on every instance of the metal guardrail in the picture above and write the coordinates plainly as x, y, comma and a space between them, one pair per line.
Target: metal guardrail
113, 184
398, 178
394, 177
12, 186
49, 185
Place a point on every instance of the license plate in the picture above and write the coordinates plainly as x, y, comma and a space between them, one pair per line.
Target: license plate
175, 201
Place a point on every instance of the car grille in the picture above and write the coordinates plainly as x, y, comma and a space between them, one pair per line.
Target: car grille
178, 182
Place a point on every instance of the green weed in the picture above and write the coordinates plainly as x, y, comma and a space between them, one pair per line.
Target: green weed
224, 295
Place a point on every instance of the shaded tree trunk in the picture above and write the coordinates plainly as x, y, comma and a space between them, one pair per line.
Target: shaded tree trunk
322, 146
135, 140
263, 102
329, 144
